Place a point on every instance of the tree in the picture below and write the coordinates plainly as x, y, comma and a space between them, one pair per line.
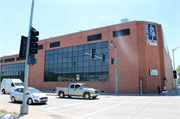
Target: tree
178, 71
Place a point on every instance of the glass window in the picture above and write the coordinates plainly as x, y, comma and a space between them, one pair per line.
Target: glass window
80, 58
51, 52
86, 47
64, 50
75, 48
74, 54
105, 44
69, 54
59, 55
86, 64
55, 56
80, 47
60, 50
55, 51
98, 45
63, 64
65, 55
92, 69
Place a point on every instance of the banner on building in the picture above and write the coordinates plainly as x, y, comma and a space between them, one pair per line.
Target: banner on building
151, 35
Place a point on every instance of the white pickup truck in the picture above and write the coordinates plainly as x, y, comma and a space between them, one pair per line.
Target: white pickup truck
77, 89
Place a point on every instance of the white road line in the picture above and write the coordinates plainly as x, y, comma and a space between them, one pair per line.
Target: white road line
71, 104
86, 105
63, 106
106, 108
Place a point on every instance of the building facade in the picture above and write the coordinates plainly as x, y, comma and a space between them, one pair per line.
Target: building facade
141, 52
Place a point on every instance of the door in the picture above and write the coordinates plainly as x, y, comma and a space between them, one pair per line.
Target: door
71, 89
77, 91
19, 94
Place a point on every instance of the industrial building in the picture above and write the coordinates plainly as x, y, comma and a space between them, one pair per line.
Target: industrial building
142, 57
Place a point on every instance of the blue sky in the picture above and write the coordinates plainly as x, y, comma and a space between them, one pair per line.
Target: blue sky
59, 17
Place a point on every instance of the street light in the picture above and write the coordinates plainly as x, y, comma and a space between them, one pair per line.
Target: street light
174, 67
112, 43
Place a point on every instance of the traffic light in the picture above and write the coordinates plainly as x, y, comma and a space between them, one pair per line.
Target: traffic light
93, 53
23, 47
174, 73
103, 57
112, 60
33, 47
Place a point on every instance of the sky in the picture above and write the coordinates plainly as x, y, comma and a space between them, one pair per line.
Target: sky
60, 17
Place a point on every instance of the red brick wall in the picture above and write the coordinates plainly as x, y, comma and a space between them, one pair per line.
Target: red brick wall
134, 59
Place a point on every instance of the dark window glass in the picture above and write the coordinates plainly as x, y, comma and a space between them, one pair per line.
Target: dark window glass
63, 64
13, 71
1, 61
75, 48
69, 54
51, 52
80, 47
105, 44
55, 51
72, 86
19, 59
59, 55
65, 49
47, 52
40, 47
65, 55
123, 32
94, 37
55, 44
86, 47
9, 60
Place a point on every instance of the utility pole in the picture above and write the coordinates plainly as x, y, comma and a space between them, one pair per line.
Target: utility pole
175, 68
116, 81
24, 107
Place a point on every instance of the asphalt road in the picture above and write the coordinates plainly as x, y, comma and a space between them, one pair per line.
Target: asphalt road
111, 107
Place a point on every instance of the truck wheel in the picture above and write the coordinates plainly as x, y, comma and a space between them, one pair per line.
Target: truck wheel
61, 94
3, 91
87, 96
94, 97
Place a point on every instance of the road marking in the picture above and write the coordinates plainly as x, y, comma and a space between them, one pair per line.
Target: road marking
71, 104
87, 105
106, 108
63, 106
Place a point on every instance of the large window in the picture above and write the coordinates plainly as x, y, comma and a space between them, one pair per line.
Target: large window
64, 64
13, 71
94, 37
9, 60
122, 32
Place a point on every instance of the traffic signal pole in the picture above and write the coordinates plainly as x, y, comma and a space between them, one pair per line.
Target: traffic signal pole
24, 107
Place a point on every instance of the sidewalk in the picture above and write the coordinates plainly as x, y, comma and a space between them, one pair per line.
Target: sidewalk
34, 113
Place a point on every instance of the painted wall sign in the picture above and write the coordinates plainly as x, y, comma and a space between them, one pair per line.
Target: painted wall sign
151, 35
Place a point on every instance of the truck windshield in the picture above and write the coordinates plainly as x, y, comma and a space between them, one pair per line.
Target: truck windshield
85, 86
18, 84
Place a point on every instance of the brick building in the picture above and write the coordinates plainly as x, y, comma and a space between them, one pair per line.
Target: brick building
141, 52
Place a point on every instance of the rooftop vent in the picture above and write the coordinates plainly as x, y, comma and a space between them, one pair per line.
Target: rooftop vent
124, 20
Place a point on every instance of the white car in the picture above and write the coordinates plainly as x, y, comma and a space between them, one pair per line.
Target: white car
33, 96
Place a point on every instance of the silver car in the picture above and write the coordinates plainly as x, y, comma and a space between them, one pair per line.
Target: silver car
33, 96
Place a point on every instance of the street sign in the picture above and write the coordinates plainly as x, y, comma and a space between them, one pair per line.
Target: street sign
115, 62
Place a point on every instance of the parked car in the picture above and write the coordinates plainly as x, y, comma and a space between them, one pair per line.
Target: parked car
8, 85
77, 89
33, 96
